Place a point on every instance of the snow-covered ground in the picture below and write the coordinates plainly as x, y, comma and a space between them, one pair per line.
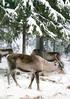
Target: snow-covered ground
54, 86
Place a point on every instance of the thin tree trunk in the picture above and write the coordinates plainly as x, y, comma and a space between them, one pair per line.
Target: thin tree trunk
24, 39
54, 46
39, 43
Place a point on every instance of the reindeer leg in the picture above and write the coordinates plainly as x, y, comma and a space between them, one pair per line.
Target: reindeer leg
37, 79
8, 77
32, 78
13, 76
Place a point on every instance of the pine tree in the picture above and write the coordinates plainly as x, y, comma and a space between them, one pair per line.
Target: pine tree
49, 18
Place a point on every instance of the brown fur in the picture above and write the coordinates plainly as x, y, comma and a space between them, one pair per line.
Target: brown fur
24, 58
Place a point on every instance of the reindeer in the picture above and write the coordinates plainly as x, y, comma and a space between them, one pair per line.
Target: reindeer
49, 56
29, 63
5, 52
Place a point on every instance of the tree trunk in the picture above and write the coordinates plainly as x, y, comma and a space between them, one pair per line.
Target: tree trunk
24, 39
53, 45
39, 43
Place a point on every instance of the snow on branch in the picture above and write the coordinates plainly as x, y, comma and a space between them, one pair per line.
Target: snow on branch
44, 24
66, 33
52, 13
32, 23
11, 14
24, 3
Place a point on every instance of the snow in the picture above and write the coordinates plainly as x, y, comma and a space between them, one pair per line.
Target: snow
51, 11
53, 86
31, 4
66, 33
17, 45
3, 2
32, 23
60, 4
67, 2
11, 14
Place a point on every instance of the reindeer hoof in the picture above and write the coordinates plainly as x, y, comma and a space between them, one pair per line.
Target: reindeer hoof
38, 89
29, 87
18, 85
